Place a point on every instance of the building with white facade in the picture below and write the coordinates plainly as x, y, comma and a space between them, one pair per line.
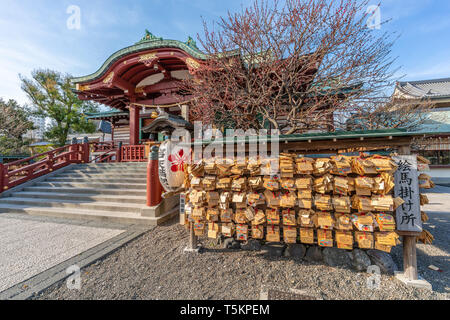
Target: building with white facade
436, 148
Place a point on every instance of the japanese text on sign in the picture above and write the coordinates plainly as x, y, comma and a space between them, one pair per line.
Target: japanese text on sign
407, 187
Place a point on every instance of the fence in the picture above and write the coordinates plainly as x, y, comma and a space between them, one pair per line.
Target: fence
21, 171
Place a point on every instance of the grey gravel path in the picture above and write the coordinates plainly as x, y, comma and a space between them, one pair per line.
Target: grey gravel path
155, 267
30, 246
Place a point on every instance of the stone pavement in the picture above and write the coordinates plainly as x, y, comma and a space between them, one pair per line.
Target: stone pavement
439, 198
34, 250
438, 253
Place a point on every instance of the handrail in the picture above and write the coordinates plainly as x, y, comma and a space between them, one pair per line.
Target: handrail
15, 173
103, 145
34, 157
102, 156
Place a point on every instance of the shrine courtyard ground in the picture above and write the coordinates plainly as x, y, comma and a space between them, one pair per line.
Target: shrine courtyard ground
154, 266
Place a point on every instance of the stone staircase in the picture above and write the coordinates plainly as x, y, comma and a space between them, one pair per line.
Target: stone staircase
114, 192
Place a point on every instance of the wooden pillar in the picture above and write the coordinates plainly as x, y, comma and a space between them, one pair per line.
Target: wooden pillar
74, 146
134, 125
409, 241
119, 152
193, 240
112, 131
185, 112
154, 187
2, 177
410, 257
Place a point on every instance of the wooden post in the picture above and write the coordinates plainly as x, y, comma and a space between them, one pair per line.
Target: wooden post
154, 188
193, 240
2, 177
134, 125
119, 152
409, 242
50, 162
410, 258
112, 131
85, 151
185, 112
73, 147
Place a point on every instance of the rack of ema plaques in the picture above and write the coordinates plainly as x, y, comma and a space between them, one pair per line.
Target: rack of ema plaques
364, 201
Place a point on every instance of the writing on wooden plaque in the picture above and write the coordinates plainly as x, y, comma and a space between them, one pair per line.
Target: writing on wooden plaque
407, 187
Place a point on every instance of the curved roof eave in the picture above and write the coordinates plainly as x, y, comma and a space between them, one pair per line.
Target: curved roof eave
141, 46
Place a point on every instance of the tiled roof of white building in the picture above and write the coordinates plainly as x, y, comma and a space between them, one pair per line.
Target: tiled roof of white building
438, 88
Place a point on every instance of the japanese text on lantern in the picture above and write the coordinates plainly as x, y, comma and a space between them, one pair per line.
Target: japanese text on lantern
407, 187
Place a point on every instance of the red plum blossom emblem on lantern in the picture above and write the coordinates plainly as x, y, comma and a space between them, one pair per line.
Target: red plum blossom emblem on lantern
178, 160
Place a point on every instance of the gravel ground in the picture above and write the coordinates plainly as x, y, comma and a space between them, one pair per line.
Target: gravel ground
155, 267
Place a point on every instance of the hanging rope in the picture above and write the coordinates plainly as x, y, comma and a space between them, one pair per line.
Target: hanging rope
160, 106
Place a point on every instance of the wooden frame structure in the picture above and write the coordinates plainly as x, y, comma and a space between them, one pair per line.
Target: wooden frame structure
337, 143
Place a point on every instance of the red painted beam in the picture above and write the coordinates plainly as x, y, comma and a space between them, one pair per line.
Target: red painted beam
163, 85
162, 100
124, 85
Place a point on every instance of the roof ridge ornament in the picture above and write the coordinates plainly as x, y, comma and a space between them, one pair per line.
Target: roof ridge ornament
150, 37
191, 43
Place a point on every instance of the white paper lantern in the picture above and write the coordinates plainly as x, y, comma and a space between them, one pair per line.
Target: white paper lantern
172, 158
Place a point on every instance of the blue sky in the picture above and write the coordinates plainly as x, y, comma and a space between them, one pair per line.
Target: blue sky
34, 33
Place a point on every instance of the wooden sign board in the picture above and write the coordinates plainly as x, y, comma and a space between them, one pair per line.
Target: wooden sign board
407, 187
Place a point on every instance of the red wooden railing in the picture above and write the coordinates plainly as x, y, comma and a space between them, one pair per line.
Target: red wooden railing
108, 156
15, 173
103, 146
133, 153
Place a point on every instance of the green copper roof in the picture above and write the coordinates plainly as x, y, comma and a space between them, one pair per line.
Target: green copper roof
324, 136
147, 43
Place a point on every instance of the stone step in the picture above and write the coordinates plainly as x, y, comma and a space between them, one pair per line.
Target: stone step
110, 171
82, 214
113, 164
81, 197
99, 175
140, 186
105, 167
105, 192
89, 191
137, 165
88, 205
116, 179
